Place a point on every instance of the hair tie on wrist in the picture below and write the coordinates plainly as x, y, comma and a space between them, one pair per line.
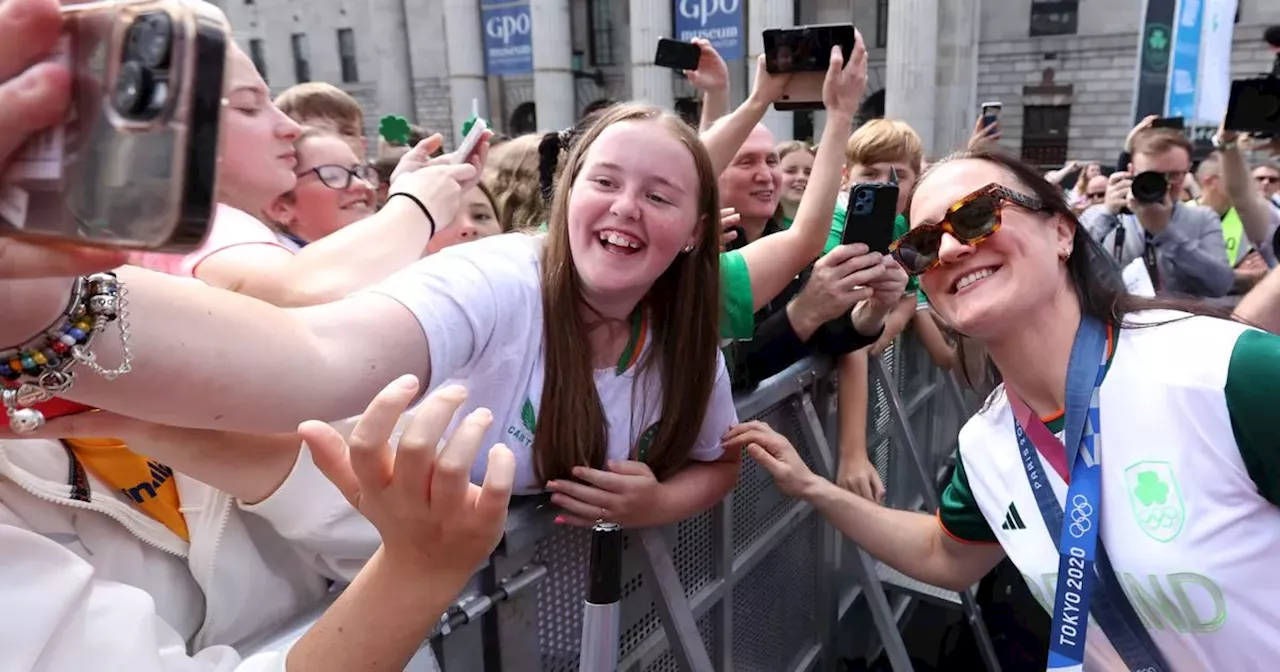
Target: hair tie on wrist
421, 206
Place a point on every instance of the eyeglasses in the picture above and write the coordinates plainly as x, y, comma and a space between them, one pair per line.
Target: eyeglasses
970, 220
1098, 196
339, 177
1268, 179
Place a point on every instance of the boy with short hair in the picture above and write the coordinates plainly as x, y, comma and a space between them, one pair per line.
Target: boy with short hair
325, 106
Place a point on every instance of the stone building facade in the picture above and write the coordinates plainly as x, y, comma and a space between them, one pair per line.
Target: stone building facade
1064, 96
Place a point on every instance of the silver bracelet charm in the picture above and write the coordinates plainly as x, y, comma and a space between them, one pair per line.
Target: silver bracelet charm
40, 369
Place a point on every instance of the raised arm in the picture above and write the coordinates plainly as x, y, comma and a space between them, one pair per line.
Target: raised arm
725, 137
773, 261
357, 255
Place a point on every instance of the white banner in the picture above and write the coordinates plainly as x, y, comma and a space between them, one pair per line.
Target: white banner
1213, 86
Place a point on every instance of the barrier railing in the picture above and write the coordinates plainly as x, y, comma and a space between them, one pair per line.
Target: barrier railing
760, 582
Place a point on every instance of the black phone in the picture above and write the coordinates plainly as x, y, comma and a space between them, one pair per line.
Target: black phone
1177, 123
677, 55
870, 214
806, 48
1254, 106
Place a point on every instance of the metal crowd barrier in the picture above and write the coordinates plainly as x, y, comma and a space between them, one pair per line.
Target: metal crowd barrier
759, 583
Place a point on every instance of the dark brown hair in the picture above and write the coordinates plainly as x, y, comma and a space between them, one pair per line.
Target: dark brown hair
683, 308
1094, 274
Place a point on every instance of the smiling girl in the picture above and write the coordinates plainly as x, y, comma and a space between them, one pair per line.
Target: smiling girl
628, 270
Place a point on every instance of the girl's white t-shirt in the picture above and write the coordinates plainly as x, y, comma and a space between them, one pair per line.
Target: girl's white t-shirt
480, 306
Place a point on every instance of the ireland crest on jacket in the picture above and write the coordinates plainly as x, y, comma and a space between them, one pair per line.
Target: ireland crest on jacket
1155, 499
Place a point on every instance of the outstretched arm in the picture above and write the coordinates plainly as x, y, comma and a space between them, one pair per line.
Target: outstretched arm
207, 358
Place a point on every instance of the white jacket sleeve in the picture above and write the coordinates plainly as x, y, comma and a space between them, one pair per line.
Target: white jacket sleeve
309, 511
61, 617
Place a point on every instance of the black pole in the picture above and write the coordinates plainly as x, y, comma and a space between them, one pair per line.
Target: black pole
602, 609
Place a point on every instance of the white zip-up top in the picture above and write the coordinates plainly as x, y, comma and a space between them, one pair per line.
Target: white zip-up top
92, 583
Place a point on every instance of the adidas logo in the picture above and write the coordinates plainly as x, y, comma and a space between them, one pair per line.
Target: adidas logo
1013, 521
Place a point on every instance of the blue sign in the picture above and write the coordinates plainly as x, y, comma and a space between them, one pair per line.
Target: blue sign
720, 21
508, 37
1184, 70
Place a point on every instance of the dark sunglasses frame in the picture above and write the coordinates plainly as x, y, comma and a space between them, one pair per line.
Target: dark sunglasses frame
1002, 195
362, 172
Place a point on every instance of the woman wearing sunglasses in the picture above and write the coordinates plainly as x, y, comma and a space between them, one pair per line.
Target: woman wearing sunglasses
1169, 479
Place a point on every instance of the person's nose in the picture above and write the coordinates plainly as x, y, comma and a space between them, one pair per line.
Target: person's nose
625, 206
287, 128
951, 249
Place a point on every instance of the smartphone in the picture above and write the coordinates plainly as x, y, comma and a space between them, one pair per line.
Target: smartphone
805, 52
871, 211
806, 48
677, 55
991, 115
1177, 123
135, 165
1254, 107
469, 143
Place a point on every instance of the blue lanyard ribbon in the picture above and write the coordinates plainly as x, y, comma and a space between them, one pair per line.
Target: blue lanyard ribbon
1086, 582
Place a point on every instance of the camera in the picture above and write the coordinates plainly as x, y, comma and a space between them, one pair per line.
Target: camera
1149, 187
1254, 104
141, 89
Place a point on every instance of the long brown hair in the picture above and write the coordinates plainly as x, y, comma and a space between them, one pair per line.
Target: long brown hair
683, 308
1094, 274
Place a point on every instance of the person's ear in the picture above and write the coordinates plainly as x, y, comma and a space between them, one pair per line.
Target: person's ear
280, 211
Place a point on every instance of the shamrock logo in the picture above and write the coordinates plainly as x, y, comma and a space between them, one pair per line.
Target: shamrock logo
528, 417
1150, 489
394, 129
1158, 40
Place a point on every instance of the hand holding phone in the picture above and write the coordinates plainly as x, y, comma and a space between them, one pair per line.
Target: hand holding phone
135, 166
870, 215
805, 54
677, 55
991, 118
464, 150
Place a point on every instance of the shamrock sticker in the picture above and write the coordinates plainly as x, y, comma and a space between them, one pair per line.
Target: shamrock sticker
394, 129
1150, 489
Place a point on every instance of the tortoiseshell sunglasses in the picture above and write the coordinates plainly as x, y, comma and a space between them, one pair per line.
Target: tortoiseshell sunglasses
970, 220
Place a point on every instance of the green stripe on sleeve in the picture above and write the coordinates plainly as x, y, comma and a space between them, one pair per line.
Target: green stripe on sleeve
1253, 399
836, 235
959, 511
737, 319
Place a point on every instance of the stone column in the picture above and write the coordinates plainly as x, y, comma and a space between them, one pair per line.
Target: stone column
650, 20
395, 66
464, 39
761, 15
911, 66
957, 74
553, 85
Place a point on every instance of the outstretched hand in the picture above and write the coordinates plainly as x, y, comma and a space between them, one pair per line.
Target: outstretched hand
418, 494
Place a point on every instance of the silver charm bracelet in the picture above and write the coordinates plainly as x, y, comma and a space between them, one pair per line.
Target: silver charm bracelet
40, 369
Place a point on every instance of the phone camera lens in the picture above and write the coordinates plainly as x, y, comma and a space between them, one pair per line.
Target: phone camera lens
151, 39
133, 89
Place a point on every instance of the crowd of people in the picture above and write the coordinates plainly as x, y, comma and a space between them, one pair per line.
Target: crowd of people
366, 359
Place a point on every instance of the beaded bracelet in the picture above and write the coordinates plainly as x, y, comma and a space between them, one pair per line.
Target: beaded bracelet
39, 369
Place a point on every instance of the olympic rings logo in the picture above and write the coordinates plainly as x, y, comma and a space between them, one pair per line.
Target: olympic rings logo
1081, 511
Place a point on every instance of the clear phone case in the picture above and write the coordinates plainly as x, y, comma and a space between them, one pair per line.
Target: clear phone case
135, 165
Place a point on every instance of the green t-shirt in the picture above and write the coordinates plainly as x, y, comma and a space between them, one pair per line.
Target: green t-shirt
1251, 392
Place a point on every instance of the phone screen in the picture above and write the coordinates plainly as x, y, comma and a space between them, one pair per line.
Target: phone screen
807, 48
991, 115
677, 55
